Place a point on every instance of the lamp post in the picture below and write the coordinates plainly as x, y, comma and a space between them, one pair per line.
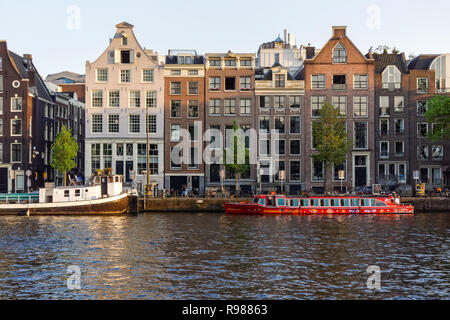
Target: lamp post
341, 177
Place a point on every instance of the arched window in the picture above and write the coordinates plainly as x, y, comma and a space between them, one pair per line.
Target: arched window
340, 54
392, 78
124, 39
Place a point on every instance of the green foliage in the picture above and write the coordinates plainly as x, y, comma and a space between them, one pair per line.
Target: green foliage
64, 151
438, 115
238, 151
330, 137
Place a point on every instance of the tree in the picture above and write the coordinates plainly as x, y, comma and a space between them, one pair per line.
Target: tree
330, 139
240, 161
64, 151
438, 115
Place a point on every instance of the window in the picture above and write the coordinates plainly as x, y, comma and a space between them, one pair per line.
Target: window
399, 126
193, 109
230, 106
340, 103
113, 123
339, 54
153, 153
437, 153
1, 127
246, 62
399, 148
102, 75
16, 104
184, 60
97, 123
318, 81
150, 99
361, 135
107, 155
214, 83
295, 172
246, 83
119, 149
336, 169
318, 170
142, 158
125, 56
147, 75
339, 82
280, 147
316, 105
175, 88
280, 173
230, 84
384, 149
175, 109
422, 130
294, 127
214, 107
1, 64
280, 124
175, 132
193, 159
295, 147
1, 151
422, 85
135, 123
424, 175
1, 83
399, 104
193, 72
422, 153
245, 106
264, 124
279, 102
214, 62
294, 103
135, 99
384, 105
230, 63
1, 105
16, 152
360, 81
176, 155
125, 76
422, 107
264, 102
436, 175
280, 81
151, 123
130, 149
176, 72
360, 107
16, 127
264, 147
193, 88
114, 99
215, 136
391, 78
193, 132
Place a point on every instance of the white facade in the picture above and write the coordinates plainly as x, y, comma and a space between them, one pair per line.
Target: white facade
124, 84
442, 67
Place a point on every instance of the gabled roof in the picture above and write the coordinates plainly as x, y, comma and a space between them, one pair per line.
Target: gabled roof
422, 62
389, 59
41, 88
78, 78
124, 25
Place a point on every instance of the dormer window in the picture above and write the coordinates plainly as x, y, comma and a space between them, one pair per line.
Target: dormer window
392, 78
184, 60
230, 63
339, 54
124, 39
280, 81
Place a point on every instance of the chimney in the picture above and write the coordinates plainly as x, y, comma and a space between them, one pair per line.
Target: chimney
30, 68
339, 31
310, 52
286, 39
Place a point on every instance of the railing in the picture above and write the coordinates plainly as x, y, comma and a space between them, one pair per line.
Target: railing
19, 198
339, 86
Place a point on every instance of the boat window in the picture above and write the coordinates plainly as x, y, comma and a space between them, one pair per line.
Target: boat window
77, 193
111, 180
346, 202
294, 203
117, 179
324, 203
270, 202
262, 202
86, 190
315, 203
255, 200
281, 202
379, 203
305, 203
365, 202
66, 193
355, 203
335, 202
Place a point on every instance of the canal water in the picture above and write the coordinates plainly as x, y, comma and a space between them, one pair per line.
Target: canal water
214, 256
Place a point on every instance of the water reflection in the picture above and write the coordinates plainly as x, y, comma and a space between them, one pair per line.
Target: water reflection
195, 256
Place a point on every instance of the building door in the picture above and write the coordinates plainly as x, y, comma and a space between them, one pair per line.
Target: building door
119, 168
360, 171
129, 168
3, 180
178, 183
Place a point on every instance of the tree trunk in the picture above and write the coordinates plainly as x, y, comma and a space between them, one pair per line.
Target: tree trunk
325, 178
65, 178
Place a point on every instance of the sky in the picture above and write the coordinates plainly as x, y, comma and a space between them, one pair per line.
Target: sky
63, 34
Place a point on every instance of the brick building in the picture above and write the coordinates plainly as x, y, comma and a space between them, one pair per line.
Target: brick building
344, 77
184, 89
230, 96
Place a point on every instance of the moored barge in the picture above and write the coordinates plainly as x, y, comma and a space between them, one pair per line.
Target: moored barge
104, 197
281, 204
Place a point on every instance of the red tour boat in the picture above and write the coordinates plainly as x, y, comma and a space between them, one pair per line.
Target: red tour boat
281, 204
